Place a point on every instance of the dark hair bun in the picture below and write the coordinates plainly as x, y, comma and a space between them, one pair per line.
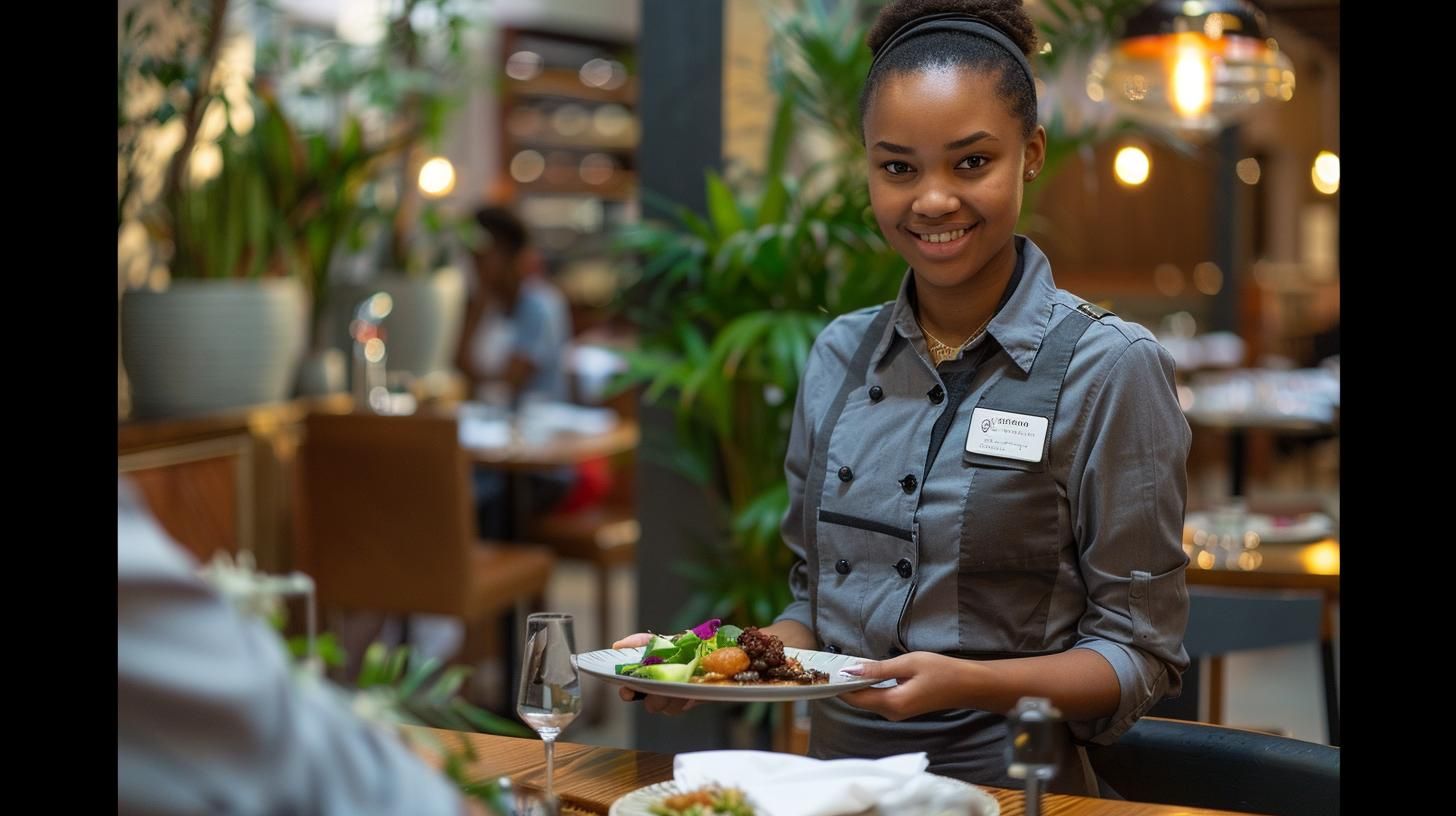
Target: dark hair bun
1007, 15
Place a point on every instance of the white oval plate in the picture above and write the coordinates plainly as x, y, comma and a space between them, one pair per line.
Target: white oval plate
638, 801
603, 664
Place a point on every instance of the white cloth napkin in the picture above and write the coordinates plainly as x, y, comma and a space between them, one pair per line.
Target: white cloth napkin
792, 785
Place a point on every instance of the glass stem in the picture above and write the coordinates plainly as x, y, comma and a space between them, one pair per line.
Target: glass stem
548, 736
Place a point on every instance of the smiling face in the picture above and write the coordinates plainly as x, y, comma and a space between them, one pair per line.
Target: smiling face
947, 162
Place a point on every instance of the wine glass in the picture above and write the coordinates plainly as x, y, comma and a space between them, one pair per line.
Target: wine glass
550, 693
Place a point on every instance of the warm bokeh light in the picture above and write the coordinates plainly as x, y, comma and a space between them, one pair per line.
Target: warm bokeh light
1132, 166
1326, 173
437, 177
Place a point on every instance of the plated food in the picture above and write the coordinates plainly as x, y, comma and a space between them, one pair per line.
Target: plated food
722, 655
724, 663
702, 802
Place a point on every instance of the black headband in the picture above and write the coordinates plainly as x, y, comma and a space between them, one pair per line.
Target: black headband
954, 21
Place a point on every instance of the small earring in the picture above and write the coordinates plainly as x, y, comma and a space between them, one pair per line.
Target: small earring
1030, 174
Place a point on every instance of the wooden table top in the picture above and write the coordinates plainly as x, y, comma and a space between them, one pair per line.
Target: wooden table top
1270, 566
140, 434
562, 450
590, 778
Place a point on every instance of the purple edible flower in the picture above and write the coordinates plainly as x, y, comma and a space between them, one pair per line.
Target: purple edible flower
652, 661
707, 628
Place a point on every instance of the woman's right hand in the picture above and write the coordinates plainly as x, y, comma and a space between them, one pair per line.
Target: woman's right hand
654, 703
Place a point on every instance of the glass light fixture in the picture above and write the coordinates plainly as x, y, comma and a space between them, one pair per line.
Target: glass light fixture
1192, 65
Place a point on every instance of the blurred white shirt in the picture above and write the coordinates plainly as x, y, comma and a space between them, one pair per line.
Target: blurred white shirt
210, 718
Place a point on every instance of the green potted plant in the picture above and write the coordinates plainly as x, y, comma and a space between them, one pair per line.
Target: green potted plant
408, 83
227, 327
728, 306
283, 206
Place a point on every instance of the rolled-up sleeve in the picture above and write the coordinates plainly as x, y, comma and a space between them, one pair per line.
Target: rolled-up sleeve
1129, 493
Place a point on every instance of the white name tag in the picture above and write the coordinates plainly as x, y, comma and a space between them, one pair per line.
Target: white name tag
1007, 435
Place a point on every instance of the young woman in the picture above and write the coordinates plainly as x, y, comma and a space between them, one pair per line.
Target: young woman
986, 476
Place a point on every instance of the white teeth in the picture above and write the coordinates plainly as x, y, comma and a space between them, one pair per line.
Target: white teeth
942, 237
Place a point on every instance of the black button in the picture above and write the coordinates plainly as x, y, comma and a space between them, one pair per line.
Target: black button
903, 567
876, 393
908, 483
832, 649
845, 474
936, 394
842, 567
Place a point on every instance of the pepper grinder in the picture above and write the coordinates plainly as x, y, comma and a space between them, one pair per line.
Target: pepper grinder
1033, 744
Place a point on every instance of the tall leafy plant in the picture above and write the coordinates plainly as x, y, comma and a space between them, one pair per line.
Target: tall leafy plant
281, 200
729, 305
168, 53
407, 84
280, 203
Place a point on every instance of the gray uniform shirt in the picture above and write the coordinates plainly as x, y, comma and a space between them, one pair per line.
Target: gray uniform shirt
984, 558
209, 719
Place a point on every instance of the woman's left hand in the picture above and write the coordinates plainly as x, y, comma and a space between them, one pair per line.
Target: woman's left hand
925, 682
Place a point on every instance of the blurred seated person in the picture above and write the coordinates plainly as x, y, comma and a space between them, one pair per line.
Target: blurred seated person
517, 324
513, 350
210, 718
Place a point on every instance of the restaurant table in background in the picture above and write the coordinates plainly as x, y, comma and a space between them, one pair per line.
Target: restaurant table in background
540, 438
589, 779
569, 436
1303, 402
1266, 551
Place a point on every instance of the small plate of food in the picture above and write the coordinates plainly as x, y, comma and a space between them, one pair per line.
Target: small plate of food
674, 799
669, 799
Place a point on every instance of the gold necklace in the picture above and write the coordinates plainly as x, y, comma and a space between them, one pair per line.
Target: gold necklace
941, 351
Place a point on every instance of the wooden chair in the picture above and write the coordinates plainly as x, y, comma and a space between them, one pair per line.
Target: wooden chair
387, 525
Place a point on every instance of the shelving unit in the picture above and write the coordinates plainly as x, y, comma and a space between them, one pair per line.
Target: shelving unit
569, 135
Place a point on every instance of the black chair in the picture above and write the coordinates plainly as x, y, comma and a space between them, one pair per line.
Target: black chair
1190, 764
1221, 621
